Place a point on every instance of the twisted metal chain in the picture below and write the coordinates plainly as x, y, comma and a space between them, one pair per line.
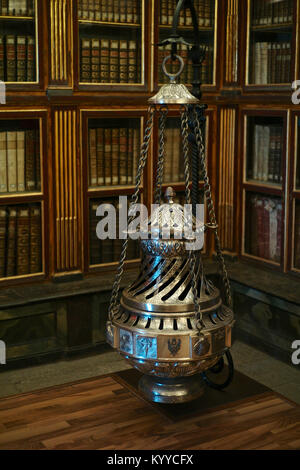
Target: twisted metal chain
161, 153
192, 255
210, 206
134, 199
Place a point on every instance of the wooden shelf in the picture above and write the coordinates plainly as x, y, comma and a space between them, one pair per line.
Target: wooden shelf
272, 27
17, 18
109, 24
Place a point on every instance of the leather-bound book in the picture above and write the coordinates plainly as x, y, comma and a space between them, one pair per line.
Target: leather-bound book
2, 66
79, 10
114, 61
3, 249
107, 156
3, 163
133, 72
104, 10
95, 61
4, 8
163, 11
86, 75
110, 11
93, 157
23, 237
123, 155
21, 59
21, 161
35, 239
123, 7
136, 16
100, 156
37, 152
85, 9
11, 242
115, 153
279, 231
260, 227
129, 15
97, 9
31, 69
104, 61
12, 161
95, 244
11, 60
30, 183
91, 8
130, 156
30, 7
136, 152
124, 61
116, 10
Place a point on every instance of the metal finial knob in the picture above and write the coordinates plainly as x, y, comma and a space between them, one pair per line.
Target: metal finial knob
169, 195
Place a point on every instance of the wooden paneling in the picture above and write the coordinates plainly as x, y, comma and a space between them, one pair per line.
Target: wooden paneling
226, 177
67, 191
100, 413
61, 55
231, 43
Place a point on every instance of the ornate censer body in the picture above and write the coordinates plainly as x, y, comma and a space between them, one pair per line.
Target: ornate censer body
155, 329
171, 323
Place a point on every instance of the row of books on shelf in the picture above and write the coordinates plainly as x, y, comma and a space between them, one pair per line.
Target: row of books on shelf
107, 251
113, 155
17, 7
20, 240
20, 161
174, 165
267, 154
109, 61
187, 74
112, 11
272, 12
17, 58
272, 62
204, 10
265, 227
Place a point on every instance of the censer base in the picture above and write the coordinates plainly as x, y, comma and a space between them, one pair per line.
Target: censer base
165, 390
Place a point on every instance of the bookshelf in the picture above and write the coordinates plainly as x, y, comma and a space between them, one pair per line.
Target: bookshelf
19, 39
110, 165
263, 187
111, 44
271, 45
23, 196
207, 17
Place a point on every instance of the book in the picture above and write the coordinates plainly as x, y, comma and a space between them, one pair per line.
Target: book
114, 61
2, 64
35, 239
123, 156
31, 63
95, 244
85, 9
100, 156
104, 61
133, 74
125, 61
12, 161
30, 183
297, 237
86, 60
11, 242
115, 151
23, 234
10, 58
93, 157
104, 12
3, 163
20, 161
107, 156
136, 152
37, 160
21, 58
3, 249
130, 156
95, 61
91, 10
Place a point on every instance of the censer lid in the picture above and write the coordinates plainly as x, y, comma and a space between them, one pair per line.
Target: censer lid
171, 221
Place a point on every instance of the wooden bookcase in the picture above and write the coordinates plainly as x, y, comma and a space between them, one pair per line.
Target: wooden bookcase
64, 108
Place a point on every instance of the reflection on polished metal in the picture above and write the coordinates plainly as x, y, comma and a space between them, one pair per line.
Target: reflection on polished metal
155, 328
